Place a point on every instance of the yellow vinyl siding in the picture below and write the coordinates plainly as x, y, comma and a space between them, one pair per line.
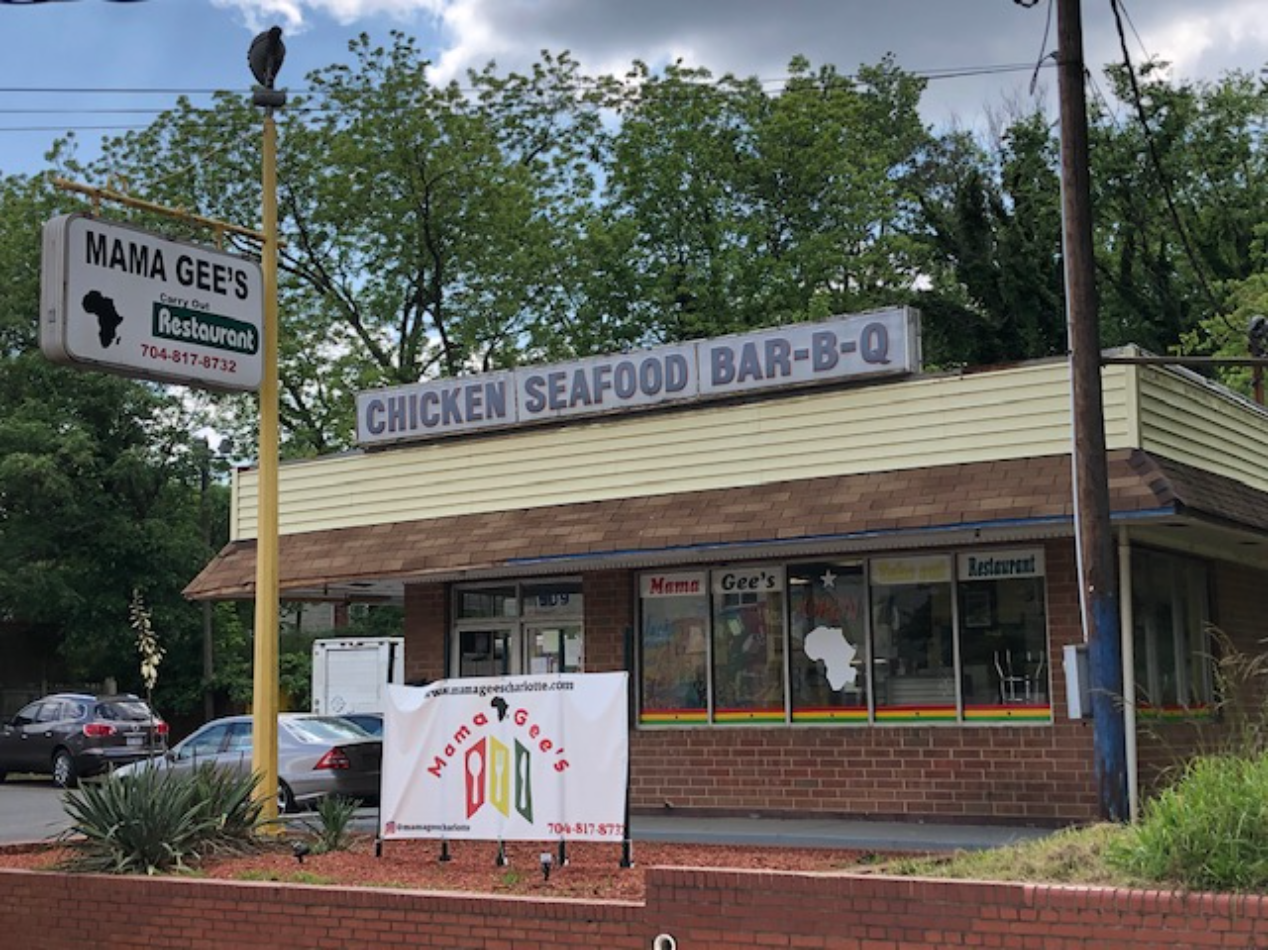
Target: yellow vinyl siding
1018, 412
1203, 426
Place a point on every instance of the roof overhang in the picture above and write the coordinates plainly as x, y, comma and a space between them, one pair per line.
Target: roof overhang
998, 503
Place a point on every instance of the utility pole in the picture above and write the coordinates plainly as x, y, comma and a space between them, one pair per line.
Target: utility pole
265, 59
1099, 601
209, 668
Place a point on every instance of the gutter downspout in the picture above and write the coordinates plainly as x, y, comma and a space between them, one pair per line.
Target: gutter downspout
1127, 671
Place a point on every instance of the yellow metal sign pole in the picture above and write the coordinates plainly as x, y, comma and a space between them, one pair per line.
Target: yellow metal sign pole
264, 705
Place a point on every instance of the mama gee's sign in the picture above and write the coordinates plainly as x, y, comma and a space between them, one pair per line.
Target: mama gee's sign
862, 346
519, 758
121, 300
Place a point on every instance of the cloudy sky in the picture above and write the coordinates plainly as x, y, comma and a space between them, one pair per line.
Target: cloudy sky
62, 63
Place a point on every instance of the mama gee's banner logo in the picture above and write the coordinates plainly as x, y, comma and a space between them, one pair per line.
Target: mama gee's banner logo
520, 758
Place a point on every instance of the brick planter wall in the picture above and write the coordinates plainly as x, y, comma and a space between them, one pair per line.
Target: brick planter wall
701, 909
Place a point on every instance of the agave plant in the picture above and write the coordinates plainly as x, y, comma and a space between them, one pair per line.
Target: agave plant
156, 822
335, 813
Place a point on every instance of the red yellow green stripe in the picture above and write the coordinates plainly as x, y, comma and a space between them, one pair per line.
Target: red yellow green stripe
1174, 713
742, 716
832, 714
916, 714
1012, 713
673, 717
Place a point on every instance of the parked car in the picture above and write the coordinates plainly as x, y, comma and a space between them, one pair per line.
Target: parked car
74, 735
371, 722
317, 756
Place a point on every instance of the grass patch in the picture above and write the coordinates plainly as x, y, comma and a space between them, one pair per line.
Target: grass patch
1070, 856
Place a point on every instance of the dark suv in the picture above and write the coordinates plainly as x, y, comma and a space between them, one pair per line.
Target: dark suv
74, 735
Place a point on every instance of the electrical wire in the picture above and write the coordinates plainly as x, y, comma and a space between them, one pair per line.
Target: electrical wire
931, 75
1041, 56
1154, 154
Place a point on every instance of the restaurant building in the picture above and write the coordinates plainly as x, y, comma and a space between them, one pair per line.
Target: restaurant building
841, 586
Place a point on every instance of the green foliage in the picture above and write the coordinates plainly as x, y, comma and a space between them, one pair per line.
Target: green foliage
1206, 832
335, 815
1069, 856
229, 799
156, 821
1179, 245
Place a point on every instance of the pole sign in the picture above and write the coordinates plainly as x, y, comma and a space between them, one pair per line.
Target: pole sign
121, 300
844, 349
515, 758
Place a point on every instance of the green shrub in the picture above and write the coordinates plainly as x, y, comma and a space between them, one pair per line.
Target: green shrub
335, 813
229, 800
1205, 832
156, 821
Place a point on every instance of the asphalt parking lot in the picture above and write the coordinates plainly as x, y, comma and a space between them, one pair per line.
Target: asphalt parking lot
31, 810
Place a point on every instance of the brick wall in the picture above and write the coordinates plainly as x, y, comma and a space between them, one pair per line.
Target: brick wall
701, 909
427, 617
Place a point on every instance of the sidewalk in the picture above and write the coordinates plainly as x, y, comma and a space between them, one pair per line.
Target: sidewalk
830, 833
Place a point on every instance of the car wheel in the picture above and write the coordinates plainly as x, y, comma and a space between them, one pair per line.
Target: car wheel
64, 770
286, 799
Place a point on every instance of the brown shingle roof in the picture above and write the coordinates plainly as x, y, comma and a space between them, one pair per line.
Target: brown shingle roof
947, 496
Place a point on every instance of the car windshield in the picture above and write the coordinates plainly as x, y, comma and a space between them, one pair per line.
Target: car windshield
123, 710
325, 729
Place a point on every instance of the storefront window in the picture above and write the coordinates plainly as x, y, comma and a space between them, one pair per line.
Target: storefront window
913, 637
828, 671
749, 644
1002, 627
886, 639
1170, 648
675, 618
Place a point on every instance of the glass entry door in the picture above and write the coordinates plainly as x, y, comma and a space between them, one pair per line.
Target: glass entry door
553, 647
486, 652
531, 627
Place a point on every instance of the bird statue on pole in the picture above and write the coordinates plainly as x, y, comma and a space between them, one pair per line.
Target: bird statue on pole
265, 56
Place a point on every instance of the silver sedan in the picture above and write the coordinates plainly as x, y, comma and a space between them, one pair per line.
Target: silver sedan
317, 756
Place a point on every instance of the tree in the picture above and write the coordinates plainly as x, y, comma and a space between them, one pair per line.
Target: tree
997, 228
740, 209
1179, 190
96, 482
425, 227
1179, 223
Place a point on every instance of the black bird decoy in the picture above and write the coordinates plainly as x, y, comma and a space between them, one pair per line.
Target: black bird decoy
265, 56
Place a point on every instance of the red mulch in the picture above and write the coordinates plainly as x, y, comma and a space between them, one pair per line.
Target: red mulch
593, 871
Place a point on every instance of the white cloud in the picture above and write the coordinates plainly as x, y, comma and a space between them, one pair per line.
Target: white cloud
1193, 42
293, 15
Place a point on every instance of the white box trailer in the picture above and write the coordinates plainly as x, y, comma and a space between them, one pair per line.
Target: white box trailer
349, 675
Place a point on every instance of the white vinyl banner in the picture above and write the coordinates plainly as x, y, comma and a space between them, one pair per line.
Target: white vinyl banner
515, 758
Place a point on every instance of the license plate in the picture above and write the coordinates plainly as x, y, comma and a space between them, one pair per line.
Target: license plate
136, 740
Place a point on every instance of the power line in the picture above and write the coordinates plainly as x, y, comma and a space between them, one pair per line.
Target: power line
936, 73
1165, 185
76, 128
